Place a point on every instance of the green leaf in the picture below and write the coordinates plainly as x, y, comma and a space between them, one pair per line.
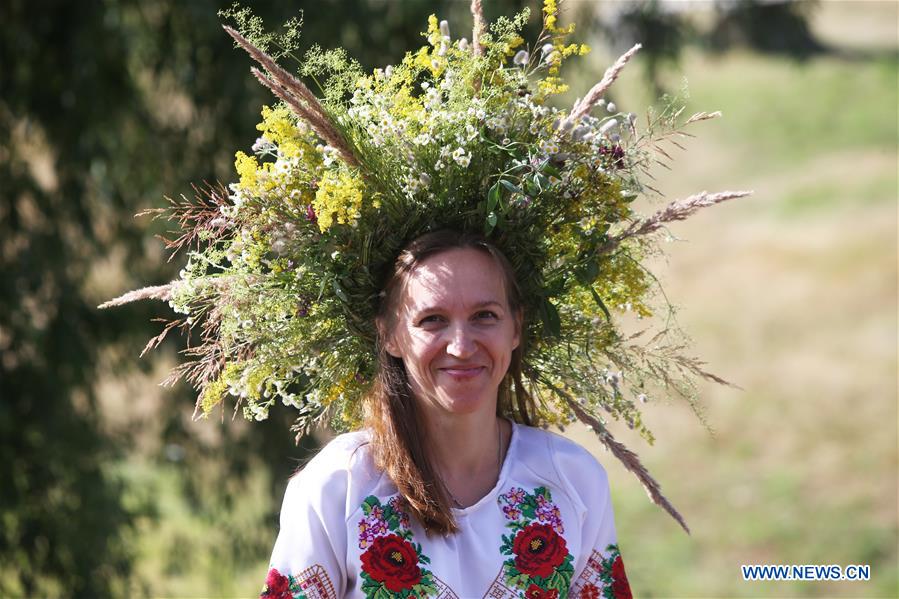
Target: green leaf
588, 273
382, 593
321, 288
493, 197
600, 303
338, 290
552, 171
552, 323
511, 186
558, 582
514, 578
490, 223
368, 503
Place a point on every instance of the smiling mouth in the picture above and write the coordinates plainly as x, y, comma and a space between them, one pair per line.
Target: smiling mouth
464, 372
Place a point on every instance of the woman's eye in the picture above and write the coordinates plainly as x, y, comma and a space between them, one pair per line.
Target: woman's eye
486, 314
430, 319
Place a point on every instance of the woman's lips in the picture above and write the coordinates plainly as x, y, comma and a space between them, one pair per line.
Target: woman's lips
463, 372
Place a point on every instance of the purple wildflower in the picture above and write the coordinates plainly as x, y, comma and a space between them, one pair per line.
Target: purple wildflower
615, 153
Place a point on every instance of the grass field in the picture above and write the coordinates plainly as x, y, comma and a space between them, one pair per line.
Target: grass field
790, 294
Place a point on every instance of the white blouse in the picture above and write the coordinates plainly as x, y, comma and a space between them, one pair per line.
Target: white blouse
546, 530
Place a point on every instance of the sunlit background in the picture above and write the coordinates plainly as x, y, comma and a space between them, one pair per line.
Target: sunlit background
107, 485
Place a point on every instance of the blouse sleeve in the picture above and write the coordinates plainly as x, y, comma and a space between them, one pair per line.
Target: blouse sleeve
309, 558
602, 570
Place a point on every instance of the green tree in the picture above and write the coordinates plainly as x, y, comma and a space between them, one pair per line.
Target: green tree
106, 106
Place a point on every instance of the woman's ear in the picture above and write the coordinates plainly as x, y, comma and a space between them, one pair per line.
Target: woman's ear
386, 338
519, 324
390, 348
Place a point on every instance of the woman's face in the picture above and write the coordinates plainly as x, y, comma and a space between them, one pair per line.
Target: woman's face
455, 331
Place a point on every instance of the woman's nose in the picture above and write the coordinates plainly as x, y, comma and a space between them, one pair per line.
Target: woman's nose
461, 344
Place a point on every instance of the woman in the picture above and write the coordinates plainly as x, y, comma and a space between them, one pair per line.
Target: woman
447, 492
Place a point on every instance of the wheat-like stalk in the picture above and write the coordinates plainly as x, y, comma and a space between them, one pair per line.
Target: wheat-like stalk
160, 292
583, 107
628, 458
677, 210
477, 13
630, 461
299, 97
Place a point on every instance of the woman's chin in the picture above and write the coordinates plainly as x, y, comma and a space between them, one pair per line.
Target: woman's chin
468, 402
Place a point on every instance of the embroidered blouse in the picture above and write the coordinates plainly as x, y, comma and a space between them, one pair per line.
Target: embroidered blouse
546, 530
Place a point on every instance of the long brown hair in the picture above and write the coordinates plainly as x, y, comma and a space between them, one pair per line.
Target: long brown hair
391, 411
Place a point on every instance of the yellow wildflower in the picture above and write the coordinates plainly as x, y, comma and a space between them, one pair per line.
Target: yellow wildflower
338, 198
248, 169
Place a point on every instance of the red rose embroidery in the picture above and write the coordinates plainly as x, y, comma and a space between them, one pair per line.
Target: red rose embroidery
589, 591
538, 550
620, 586
535, 592
277, 586
393, 561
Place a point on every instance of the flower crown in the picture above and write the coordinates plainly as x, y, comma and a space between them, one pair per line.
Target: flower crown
286, 267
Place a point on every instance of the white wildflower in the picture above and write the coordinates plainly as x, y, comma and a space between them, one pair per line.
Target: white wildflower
579, 133
461, 157
550, 147
262, 145
611, 107
388, 71
463, 44
521, 58
444, 29
608, 126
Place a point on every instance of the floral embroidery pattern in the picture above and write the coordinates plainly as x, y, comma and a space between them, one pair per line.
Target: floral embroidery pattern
278, 586
614, 576
311, 583
603, 578
539, 563
392, 565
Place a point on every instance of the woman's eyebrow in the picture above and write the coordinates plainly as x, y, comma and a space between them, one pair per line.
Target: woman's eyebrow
476, 306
